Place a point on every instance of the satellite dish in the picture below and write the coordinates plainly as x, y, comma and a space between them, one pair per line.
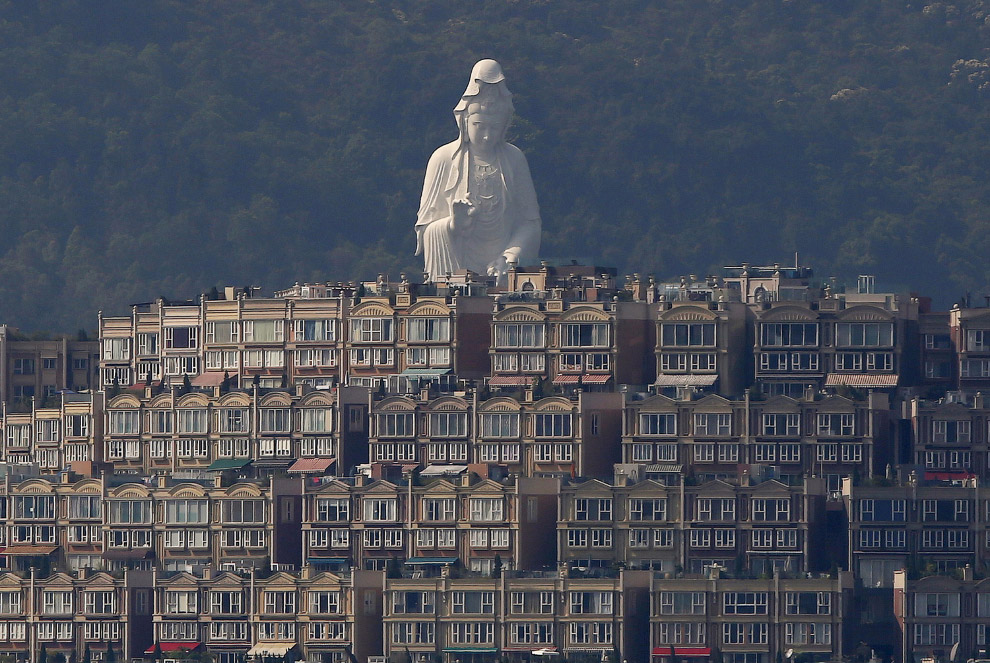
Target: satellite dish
953, 652
789, 653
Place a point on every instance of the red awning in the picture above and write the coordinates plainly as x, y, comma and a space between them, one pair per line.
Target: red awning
510, 380
583, 379
312, 465
173, 646
686, 652
861, 380
212, 379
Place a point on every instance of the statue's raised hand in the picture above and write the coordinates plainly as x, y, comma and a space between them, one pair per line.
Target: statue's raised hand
463, 211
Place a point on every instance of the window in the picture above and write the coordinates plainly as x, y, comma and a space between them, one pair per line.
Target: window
523, 603
744, 603
147, 344
314, 330
832, 425
473, 603
242, 511
486, 509
280, 602
192, 421
371, 330
641, 509
428, 329
275, 420
263, 331
864, 334
936, 604
682, 603
706, 424
448, 424
181, 602
657, 424
396, 424
500, 425
716, 508
179, 512
552, 425
438, 508
55, 602
380, 509
704, 453
770, 509
525, 335
808, 603
34, 507
951, 431
99, 603
226, 603
124, 422
789, 334
228, 631
590, 334
728, 453
181, 338
690, 334
592, 508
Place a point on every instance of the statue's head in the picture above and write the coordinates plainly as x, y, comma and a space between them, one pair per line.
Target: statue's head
488, 100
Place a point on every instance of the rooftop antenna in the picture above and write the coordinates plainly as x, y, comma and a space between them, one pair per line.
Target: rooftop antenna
796, 263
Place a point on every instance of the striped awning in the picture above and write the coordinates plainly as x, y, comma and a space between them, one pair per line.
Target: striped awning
582, 379
876, 380
510, 380
685, 380
315, 465
664, 468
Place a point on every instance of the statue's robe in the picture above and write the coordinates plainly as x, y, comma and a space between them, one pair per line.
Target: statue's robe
512, 230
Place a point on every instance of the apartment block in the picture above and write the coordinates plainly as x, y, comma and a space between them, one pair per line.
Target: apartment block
36, 369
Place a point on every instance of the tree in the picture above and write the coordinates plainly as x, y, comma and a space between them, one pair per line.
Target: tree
111, 655
186, 383
225, 384
87, 656
43, 654
497, 566
73, 656
285, 381
157, 655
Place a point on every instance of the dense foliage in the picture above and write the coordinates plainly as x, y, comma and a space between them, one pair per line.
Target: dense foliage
164, 146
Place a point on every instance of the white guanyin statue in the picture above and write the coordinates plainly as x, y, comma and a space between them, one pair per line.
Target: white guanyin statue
479, 209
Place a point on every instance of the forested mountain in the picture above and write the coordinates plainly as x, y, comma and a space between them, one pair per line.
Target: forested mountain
164, 146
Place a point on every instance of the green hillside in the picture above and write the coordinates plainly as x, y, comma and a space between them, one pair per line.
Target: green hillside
163, 146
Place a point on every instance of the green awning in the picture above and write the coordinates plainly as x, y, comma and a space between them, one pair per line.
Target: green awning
228, 464
425, 371
431, 560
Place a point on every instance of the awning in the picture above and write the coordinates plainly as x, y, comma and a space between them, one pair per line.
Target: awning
425, 371
228, 464
685, 380
445, 561
878, 380
471, 650
543, 649
212, 379
272, 462
443, 470
173, 646
319, 465
582, 379
30, 550
327, 560
510, 380
664, 468
271, 648
128, 554
686, 652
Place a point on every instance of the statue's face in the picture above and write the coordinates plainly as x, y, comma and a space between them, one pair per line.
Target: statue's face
484, 130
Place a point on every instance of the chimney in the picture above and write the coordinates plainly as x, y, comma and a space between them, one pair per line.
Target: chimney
466, 479
218, 480
207, 572
162, 480
528, 394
